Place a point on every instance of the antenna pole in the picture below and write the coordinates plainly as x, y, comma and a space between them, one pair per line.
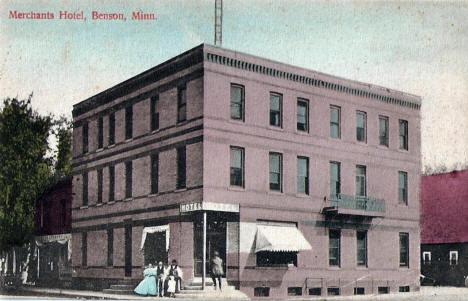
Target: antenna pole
218, 30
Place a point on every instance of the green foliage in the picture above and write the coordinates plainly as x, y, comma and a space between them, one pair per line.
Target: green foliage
25, 169
64, 154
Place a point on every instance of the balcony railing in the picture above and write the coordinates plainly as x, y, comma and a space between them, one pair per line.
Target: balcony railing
355, 202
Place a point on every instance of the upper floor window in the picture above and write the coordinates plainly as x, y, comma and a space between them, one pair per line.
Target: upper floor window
85, 137
303, 175
181, 168
154, 173
361, 243
275, 171
361, 180
85, 189
403, 129
276, 109
404, 249
154, 112
453, 256
237, 102
383, 130
111, 182
99, 184
111, 128
128, 179
335, 130
335, 182
361, 126
237, 167
302, 115
334, 242
403, 187
100, 132
128, 122
181, 104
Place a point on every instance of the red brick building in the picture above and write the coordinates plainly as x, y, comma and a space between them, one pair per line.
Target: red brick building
305, 183
444, 227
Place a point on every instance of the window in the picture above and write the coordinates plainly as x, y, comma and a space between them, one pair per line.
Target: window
359, 291
404, 289
111, 182
154, 173
403, 187
334, 247
154, 112
128, 122
295, 291
99, 184
302, 115
404, 250
361, 126
383, 289
335, 184
453, 256
269, 259
275, 171
110, 247
383, 130
85, 137
100, 132
303, 175
111, 128
333, 291
335, 131
361, 239
403, 126
426, 257
361, 180
181, 104
128, 179
275, 109
84, 249
261, 292
315, 291
237, 102
237, 167
181, 168
85, 189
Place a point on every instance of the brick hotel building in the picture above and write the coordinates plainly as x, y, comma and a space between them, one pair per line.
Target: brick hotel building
306, 183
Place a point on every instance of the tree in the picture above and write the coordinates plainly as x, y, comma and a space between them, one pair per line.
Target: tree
25, 169
64, 154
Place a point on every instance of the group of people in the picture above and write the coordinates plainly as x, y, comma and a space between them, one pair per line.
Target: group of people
163, 280
160, 280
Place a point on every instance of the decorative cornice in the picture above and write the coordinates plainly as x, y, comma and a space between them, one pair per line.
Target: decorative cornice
244, 65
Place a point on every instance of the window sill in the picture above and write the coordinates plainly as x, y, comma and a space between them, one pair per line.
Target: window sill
180, 189
155, 131
111, 145
99, 204
302, 195
334, 268
300, 132
237, 121
362, 267
182, 123
128, 199
403, 150
282, 267
275, 192
84, 207
236, 188
400, 204
111, 202
382, 146
128, 140
99, 150
275, 128
335, 138
152, 195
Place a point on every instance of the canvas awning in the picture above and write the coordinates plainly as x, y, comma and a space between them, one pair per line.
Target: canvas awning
280, 239
163, 228
58, 238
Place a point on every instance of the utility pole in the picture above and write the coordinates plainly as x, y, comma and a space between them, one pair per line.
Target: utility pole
218, 26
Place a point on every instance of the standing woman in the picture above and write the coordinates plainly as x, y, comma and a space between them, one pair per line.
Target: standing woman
216, 269
147, 286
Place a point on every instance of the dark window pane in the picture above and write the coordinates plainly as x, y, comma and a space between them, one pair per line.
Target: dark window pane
335, 185
334, 247
110, 247
404, 249
111, 128
303, 175
361, 239
99, 178
335, 122
403, 130
128, 179
237, 167
181, 168
266, 258
302, 115
154, 113
85, 137
85, 189
383, 131
154, 173
237, 102
181, 104
111, 183
360, 180
128, 122
100, 132
275, 171
403, 187
275, 109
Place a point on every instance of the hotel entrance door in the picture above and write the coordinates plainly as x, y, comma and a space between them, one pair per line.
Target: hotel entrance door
215, 241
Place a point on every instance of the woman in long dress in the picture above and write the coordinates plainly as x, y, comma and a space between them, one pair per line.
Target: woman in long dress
148, 285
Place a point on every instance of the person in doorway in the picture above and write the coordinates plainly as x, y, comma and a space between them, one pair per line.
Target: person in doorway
175, 271
216, 267
147, 287
161, 272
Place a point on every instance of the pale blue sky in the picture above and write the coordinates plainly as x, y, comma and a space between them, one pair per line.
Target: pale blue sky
416, 47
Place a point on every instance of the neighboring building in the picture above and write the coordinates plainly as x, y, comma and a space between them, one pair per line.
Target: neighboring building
308, 183
51, 244
53, 235
444, 227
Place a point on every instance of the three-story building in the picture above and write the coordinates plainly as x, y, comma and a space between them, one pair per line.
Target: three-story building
305, 183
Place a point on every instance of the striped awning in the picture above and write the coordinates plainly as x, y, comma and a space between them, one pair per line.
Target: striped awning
280, 239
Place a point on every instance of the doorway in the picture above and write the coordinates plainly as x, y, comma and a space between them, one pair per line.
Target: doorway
215, 241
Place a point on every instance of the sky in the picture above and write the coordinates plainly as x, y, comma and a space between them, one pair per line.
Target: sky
413, 46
